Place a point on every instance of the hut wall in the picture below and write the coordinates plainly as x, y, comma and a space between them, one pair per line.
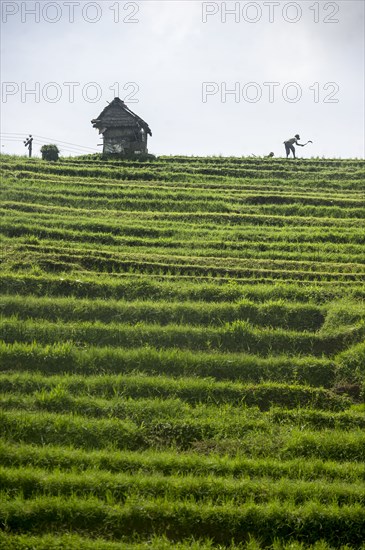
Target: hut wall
124, 140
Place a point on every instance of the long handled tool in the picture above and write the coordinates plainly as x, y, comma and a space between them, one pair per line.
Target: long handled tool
309, 141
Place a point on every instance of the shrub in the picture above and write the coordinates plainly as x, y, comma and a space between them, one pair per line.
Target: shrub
50, 152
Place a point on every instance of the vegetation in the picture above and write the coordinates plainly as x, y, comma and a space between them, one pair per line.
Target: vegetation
182, 354
50, 152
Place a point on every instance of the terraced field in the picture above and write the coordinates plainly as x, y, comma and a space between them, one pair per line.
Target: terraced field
182, 354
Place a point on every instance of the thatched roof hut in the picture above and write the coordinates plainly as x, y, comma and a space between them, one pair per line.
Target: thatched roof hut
123, 131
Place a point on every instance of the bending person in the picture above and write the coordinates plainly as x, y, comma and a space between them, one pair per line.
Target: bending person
289, 145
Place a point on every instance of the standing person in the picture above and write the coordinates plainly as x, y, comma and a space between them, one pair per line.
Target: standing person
289, 145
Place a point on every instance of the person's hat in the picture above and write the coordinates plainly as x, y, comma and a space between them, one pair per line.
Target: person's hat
297, 136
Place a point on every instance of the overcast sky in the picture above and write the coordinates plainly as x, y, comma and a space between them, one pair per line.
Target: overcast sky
210, 78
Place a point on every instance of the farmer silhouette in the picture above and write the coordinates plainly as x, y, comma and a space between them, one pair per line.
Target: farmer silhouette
289, 145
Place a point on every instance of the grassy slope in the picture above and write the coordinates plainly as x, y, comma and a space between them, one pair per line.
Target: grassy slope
183, 354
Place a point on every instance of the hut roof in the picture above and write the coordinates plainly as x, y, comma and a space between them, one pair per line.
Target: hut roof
117, 114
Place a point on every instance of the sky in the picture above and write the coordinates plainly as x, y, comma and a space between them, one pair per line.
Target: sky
210, 78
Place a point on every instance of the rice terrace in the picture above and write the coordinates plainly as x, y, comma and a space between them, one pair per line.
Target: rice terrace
182, 354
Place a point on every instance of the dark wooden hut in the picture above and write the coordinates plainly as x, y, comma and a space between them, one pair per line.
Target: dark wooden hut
123, 131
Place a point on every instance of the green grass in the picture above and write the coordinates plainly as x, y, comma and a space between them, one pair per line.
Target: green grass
69, 358
238, 336
158, 516
76, 542
190, 390
182, 354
